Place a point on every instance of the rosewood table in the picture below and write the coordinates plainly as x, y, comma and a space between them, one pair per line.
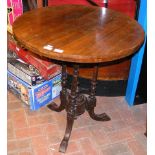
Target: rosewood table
78, 35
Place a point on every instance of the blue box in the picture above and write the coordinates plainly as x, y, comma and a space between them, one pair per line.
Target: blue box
38, 95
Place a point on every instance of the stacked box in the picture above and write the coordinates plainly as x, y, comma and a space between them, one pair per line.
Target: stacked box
36, 80
24, 71
38, 95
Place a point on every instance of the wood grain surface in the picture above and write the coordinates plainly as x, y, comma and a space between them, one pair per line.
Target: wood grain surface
85, 34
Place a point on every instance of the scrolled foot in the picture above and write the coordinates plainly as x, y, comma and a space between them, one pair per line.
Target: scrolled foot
99, 117
53, 106
63, 146
64, 143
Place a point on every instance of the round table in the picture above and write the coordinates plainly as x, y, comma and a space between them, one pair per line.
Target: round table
78, 35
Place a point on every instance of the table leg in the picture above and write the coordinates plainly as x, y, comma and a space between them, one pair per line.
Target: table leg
91, 103
63, 93
75, 106
64, 142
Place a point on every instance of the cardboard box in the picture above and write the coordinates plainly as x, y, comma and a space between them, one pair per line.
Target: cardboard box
35, 96
14, 9
45, 66
24, 71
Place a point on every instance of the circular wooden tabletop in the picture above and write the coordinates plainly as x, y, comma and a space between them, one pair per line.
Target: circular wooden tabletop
76, 33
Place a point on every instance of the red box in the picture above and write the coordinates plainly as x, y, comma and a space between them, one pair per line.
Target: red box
46, 68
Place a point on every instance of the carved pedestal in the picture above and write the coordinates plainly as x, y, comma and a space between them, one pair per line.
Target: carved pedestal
76, 103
